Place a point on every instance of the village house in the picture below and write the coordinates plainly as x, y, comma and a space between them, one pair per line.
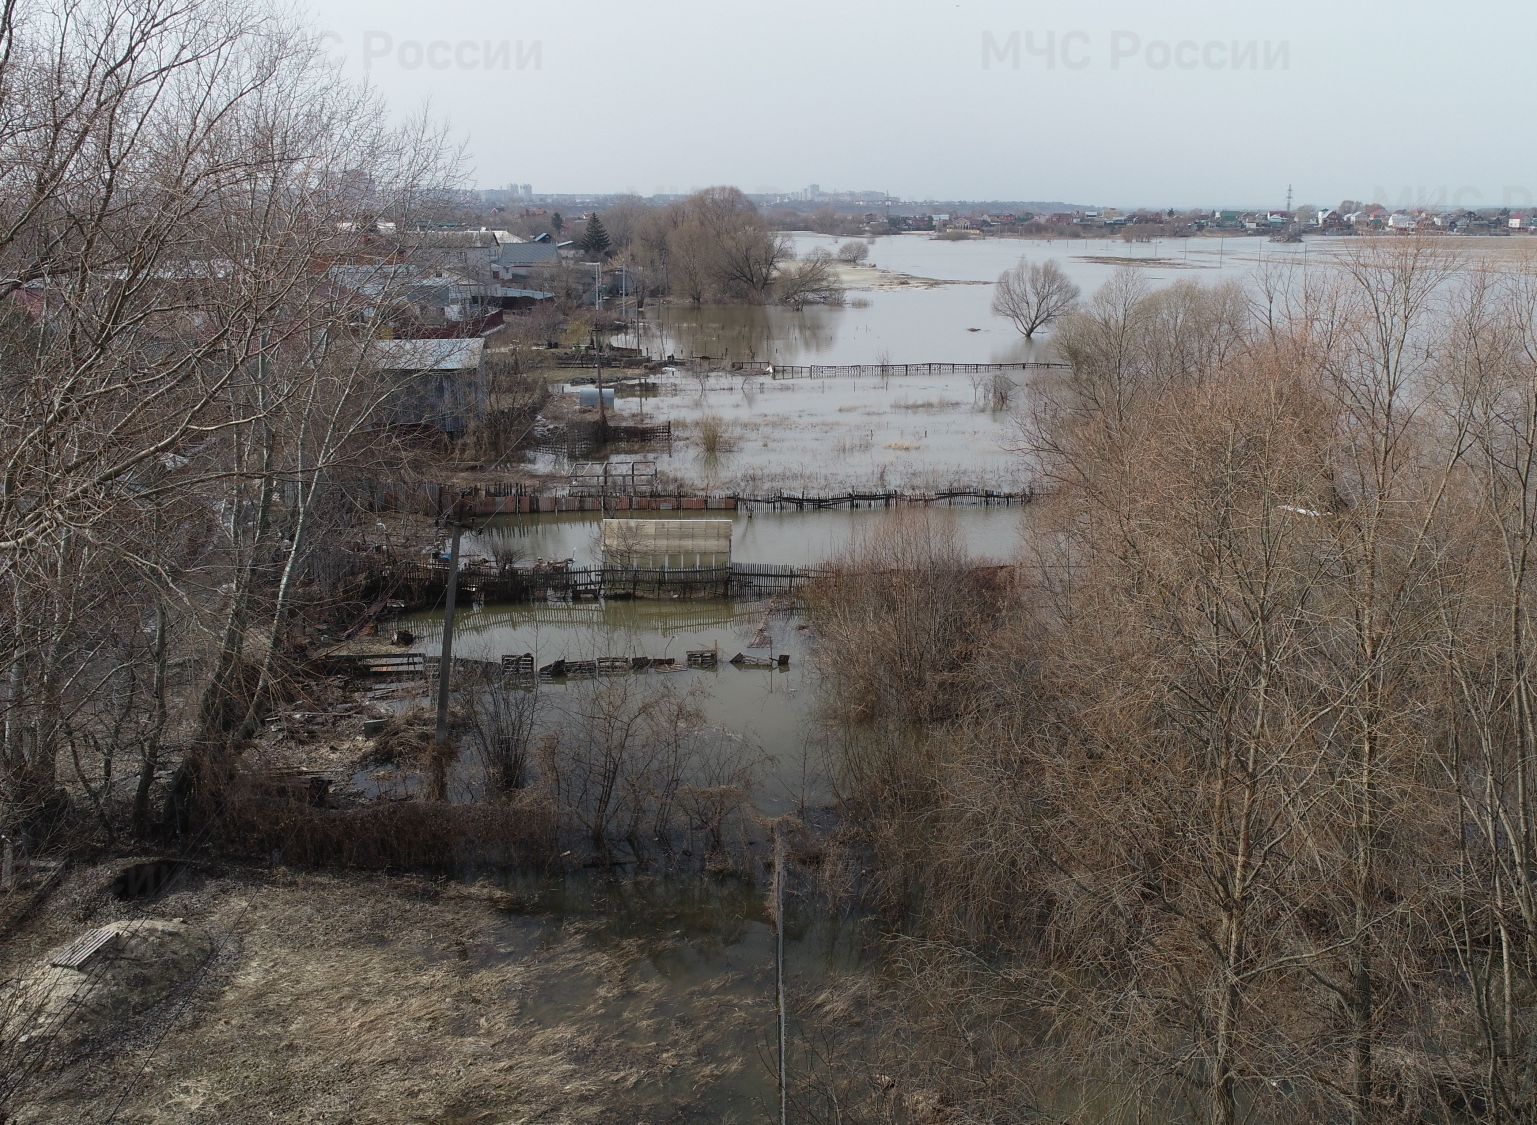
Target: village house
517, 261
445, 386
470, 251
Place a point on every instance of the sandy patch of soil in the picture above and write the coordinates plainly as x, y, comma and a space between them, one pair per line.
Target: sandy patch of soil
1161, 263
866, 279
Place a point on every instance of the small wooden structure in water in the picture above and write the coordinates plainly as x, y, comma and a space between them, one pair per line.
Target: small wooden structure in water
746, 660
519, 666
605, 666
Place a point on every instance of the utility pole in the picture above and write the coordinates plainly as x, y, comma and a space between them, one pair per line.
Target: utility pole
597, 356
446, 659
779, 969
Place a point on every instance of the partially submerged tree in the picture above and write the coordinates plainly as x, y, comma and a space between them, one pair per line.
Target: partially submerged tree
854, 251
1227, 799
714, 245
1033, 295
810, 281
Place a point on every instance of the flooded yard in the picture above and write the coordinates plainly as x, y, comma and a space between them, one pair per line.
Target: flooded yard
759, 534
759, 727
757, 435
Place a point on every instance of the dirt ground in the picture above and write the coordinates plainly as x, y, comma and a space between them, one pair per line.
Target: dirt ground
856, 278
371, 999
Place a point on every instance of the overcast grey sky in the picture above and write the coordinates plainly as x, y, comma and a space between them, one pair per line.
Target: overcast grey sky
1189, 102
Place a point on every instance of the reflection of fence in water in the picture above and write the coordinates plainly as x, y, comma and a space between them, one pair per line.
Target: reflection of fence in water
901, 370
675, 618
421, 584
739, 582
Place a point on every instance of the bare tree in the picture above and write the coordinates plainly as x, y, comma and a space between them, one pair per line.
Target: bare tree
1033, 295
810, 281
192, 370
854, 252
1230, 788
503, 716
619, 766
714, 245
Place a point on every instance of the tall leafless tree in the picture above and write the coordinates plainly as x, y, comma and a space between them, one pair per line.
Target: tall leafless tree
1033, 295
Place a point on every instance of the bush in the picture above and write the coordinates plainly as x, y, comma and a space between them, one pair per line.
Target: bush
714, 434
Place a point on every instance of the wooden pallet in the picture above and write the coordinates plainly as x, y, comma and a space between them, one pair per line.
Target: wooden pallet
77, 953
521, 665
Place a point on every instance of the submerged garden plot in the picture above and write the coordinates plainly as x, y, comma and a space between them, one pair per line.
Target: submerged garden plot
755, 435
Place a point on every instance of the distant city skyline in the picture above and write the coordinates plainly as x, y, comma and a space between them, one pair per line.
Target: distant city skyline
513, 192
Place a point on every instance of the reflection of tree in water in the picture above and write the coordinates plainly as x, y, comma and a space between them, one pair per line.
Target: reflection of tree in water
1020, 350
741, 332
515, 542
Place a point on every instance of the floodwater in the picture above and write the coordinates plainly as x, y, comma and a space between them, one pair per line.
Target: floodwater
951, 323
698, 952
807, 539
764, 721
767, 721
689, 958
828, 436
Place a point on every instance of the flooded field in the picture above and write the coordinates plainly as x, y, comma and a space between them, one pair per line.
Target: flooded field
827, 435
674, 948
760, 726
485, 996
918, 322
761, 535
953, 322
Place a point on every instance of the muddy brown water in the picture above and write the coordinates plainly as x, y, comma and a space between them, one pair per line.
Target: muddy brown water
766, 719
772, 717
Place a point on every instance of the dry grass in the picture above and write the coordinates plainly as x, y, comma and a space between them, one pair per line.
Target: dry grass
404, 739
927, 404
715, 435
391, 835
377, 1001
